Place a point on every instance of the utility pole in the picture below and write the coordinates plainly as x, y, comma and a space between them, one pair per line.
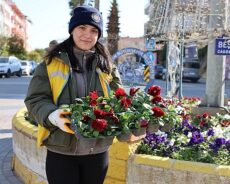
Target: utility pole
215, 86
181, 54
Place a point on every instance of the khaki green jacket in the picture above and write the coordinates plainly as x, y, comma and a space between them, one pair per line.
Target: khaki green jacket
40, 104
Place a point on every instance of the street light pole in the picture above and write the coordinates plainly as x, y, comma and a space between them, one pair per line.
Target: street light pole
181, 56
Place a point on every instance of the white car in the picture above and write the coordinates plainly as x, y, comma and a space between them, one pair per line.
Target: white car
27, 67
10, 66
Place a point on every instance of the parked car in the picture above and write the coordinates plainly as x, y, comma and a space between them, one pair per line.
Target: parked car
191, 71
10, 66
158, 71
34, 66
27, 67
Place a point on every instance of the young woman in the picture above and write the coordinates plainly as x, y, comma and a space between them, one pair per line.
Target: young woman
71, 70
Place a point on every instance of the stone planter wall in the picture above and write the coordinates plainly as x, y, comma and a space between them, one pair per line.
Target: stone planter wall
158, 170
28, 161
125, 166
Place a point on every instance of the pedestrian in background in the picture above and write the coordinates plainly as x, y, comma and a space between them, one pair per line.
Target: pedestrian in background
71, 70
52, 44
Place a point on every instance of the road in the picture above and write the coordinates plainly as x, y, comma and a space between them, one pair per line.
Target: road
16, 88
12, 93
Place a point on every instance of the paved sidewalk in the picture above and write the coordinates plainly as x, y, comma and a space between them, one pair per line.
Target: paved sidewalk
8, 107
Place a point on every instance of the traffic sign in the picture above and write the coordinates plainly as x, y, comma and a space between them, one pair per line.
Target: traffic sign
147, 73
222, 46
150, 44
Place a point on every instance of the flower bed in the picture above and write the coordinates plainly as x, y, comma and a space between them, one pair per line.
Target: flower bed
198, 138
172, 130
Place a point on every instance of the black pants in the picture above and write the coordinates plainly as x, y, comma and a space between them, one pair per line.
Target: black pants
87, 169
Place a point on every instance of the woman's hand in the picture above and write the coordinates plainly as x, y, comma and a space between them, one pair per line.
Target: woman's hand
58, 119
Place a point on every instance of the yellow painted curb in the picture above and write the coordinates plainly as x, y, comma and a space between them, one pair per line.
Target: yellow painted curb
223, 170
22, 125
153, 161
195, 167
182, 165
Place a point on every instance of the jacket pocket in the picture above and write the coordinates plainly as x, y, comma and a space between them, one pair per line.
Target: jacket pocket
58, 138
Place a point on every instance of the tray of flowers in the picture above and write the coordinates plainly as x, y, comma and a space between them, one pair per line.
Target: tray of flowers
119, 115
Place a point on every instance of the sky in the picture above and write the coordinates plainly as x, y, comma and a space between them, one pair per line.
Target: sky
50, 19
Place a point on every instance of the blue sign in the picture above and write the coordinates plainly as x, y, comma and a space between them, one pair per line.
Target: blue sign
222, 46
150, 44
149, 57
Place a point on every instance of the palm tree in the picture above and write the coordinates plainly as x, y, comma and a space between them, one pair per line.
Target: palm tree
113, 28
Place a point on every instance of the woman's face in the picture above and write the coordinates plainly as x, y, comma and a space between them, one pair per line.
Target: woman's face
85, 36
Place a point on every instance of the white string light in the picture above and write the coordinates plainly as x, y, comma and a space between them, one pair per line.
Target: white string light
196, 14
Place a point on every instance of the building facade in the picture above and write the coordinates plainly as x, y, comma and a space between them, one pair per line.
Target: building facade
12, 21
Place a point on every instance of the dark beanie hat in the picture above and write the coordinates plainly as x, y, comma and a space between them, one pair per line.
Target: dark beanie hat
86, 15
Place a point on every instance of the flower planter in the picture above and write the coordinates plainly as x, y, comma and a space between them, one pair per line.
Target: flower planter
166, 128
152, 128
159, 170
123, 137
85, 144
107, 141
139, 131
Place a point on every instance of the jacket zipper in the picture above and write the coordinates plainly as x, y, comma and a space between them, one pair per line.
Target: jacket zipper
70, 83
90, 82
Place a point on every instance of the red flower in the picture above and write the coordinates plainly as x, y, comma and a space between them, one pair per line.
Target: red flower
154, 90
156, 100
93, 103
225, 123
120, 92
157, 112
205, 115
125, 102
115, 119
85, 118
92, 98
99, 124
93, 95
202, 124
133, 91
99, 113
144, 123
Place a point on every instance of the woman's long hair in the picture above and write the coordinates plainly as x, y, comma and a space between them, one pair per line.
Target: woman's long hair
101, 52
